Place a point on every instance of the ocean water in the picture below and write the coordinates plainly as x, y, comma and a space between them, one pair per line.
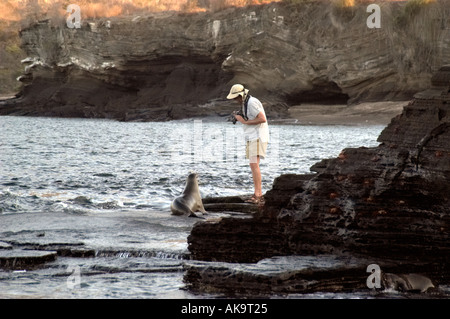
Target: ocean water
107, 186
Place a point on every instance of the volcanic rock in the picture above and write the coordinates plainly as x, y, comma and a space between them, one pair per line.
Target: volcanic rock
175, 65
288, 275
24, 259
230, 204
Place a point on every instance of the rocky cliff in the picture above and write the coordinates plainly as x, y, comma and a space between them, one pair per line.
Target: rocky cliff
387, 203
172, 65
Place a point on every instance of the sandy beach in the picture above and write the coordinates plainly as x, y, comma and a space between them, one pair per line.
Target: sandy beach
367, 113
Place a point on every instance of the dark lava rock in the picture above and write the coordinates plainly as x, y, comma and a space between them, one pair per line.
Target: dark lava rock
230, 204
25, 259
285, 275
288, 274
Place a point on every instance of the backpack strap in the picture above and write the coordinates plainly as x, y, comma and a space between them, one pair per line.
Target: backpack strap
246, 106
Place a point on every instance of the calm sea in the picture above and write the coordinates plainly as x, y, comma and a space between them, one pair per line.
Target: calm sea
108, 185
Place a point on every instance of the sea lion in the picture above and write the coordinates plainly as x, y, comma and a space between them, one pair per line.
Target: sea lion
406, 282
190, 201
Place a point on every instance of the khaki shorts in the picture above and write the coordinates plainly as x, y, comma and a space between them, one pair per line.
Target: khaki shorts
256, 148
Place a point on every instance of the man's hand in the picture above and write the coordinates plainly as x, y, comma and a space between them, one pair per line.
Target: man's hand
239, 118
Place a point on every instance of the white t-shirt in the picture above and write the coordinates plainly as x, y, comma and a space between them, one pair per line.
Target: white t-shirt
253, 132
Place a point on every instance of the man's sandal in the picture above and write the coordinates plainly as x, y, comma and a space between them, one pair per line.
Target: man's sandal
258, 200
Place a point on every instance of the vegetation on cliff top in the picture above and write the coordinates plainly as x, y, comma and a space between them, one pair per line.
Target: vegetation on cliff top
10, 56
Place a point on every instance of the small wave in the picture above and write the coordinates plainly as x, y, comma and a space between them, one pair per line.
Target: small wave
12, 183
104, 175
11, 202
109, 205
69, 209
167, 255
140, 253
81, 200
143, 206
86, 202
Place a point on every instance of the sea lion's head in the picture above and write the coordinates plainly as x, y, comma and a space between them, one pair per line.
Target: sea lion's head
192, 177
191, 183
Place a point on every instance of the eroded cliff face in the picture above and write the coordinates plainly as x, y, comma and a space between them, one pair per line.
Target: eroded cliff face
166, 65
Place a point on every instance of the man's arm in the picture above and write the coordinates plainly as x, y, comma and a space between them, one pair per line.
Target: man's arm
260, 118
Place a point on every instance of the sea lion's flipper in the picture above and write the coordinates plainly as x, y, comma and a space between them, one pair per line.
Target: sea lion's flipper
178, 207
201, 208
192, 214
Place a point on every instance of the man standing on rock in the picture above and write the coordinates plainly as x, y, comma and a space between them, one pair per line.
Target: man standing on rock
256, 132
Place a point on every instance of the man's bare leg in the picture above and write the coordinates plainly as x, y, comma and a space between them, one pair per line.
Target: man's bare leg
256, 173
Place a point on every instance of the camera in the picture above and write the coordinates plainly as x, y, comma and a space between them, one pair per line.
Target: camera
232, 117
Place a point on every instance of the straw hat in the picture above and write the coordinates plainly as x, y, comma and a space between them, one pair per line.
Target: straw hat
237, 89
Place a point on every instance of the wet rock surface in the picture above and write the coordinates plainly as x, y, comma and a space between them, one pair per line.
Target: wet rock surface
114, 254
4, 245
386, 203
236, 204
22, 259
287, 275
173, 65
